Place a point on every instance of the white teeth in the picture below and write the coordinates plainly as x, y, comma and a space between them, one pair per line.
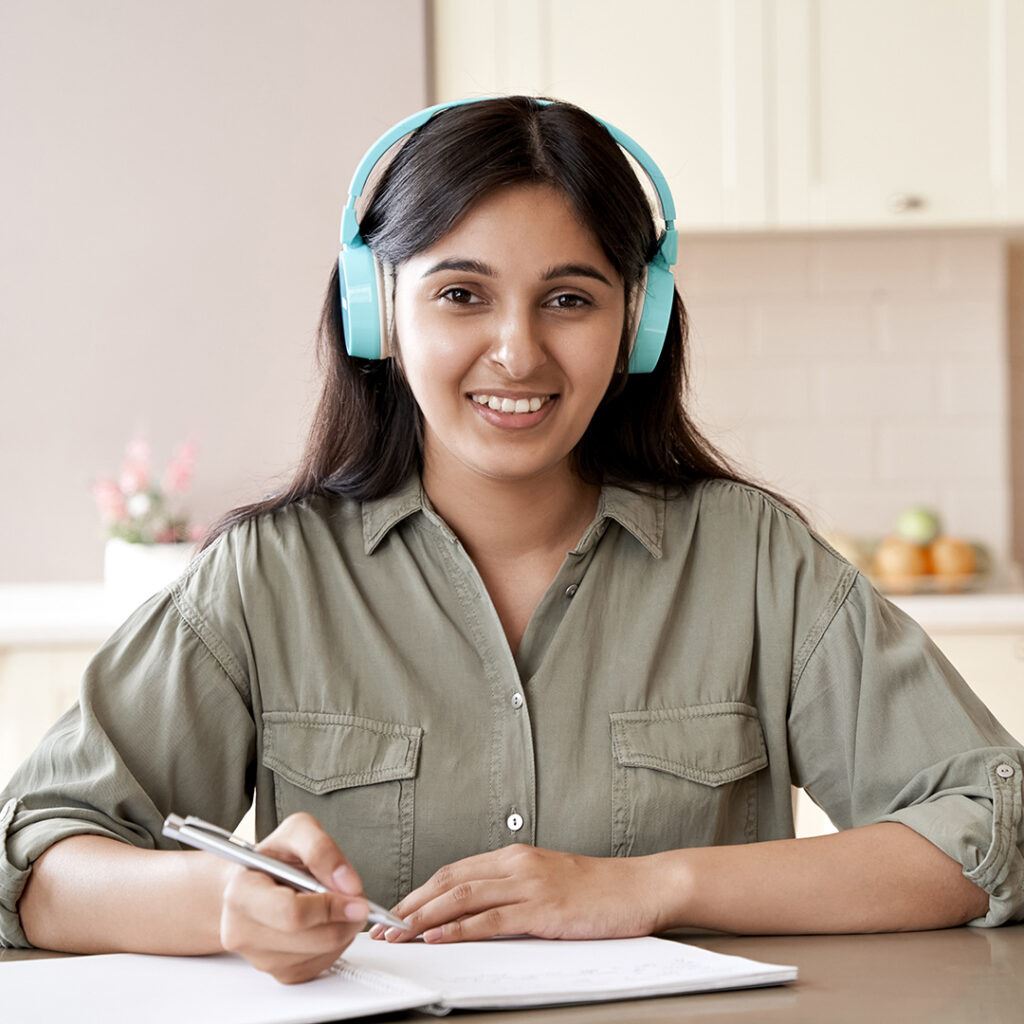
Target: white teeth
510, 405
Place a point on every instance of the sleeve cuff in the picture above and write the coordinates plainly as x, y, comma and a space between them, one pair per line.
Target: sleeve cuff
16, 856
986, 842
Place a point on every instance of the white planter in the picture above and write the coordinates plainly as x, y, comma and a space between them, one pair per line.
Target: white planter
134, 572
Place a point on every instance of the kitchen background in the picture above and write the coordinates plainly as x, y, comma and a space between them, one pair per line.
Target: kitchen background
849, 179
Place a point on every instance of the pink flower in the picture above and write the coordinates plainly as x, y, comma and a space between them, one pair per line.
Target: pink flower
135, 467
178, 474
110, 501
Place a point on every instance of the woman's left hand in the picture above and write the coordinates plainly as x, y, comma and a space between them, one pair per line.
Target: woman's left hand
527, 890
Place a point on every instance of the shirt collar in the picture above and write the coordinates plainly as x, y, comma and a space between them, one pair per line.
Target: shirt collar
643, 515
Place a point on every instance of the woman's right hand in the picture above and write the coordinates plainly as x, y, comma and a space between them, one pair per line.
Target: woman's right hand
290, 934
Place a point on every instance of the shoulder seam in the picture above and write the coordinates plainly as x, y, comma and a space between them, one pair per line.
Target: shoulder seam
811, 530
836, 600
219, 650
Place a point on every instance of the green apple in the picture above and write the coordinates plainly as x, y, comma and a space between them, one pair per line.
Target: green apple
918, 525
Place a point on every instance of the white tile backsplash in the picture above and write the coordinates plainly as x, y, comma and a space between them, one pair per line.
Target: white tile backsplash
861, 374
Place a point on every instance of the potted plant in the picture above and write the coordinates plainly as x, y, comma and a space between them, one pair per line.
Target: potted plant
149, 541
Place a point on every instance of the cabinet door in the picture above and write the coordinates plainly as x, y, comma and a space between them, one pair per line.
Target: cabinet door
684, 78
893, 114
993, 666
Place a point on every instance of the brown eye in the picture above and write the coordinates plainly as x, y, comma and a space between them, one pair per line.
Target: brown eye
452, 291
576, 299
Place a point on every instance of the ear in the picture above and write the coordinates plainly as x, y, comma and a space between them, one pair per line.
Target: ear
387, 292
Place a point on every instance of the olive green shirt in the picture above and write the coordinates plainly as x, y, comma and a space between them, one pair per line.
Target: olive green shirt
694, 658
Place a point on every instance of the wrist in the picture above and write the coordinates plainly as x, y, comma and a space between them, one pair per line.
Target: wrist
667, 882
212, 880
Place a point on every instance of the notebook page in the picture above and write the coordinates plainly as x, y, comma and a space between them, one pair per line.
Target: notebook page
126, 988
517, 972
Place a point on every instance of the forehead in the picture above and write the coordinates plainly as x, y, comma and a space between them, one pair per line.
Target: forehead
519, 228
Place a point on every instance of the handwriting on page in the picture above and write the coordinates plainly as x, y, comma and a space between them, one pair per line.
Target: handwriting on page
467, 970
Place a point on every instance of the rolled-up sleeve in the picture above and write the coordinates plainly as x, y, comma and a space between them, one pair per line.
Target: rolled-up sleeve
882, 727
163, 723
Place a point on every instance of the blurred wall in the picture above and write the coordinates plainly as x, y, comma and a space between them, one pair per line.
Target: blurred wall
864, 372
171, 181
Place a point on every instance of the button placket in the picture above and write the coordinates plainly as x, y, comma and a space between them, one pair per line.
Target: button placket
512, 775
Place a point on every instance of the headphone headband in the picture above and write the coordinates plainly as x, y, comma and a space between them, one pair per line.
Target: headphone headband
362, 277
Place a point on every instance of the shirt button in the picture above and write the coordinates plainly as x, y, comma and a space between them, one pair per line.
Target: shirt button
517, 700
571, 589
514, 822
1004, 771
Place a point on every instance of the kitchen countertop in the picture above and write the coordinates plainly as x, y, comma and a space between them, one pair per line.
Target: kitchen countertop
84, 614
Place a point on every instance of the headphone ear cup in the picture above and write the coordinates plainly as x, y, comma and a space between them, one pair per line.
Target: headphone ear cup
360, 302
659, 289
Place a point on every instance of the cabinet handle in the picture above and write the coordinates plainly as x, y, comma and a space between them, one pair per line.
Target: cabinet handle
899, 202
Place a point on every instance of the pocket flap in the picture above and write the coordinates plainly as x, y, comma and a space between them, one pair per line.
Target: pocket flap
708, 743
320, 752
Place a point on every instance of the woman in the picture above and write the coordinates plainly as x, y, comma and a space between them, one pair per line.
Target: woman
549, 668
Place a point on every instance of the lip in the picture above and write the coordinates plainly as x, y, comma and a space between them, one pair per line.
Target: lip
508, 420
500, 393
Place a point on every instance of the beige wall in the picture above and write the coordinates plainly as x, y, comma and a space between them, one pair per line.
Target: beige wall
171, 180
864, 372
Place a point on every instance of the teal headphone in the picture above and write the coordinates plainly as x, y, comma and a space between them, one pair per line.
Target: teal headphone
365, 283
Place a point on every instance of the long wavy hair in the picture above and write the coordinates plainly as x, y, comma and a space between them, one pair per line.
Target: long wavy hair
366, 435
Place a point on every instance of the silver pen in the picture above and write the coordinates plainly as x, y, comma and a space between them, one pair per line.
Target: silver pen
205, 836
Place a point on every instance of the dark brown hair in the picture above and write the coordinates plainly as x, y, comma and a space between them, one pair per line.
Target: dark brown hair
367, 429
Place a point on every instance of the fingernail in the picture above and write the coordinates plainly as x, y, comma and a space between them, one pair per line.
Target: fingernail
392, 933
357, 910
432, 935
376, 931
345, 880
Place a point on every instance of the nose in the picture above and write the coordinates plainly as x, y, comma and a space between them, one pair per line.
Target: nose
518, 346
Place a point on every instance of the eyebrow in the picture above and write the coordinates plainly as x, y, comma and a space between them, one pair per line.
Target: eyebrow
559, 270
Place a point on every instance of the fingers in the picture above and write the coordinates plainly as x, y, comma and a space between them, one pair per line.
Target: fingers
274, 905
463, 900
492, 922
490, 865
290, 934
301, 835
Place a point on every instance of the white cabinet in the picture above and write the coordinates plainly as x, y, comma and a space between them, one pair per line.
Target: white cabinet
777, 113
892, 114
683, 78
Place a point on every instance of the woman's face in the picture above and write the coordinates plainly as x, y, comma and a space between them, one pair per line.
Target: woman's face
517, 303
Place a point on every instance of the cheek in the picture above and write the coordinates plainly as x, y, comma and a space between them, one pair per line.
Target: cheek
436, 362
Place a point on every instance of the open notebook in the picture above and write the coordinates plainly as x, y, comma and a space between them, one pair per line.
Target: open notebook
370, 977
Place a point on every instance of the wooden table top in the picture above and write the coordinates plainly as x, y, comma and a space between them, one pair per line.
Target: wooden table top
973, 975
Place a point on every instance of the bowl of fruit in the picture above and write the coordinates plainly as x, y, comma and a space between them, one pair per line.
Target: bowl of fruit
917, 556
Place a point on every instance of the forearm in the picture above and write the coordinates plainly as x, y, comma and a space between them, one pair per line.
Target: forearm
91, 894
877, 878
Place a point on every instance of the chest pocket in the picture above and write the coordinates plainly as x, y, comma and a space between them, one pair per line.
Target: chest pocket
685, 777
356, 776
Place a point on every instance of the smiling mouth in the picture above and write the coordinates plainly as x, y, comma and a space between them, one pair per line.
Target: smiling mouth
514, 406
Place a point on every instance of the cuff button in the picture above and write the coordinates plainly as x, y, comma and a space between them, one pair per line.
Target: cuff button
1004, 771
